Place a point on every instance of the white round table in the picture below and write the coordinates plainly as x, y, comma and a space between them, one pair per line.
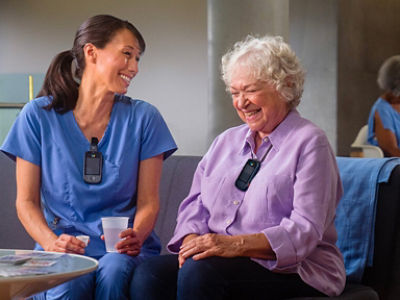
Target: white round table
67, 267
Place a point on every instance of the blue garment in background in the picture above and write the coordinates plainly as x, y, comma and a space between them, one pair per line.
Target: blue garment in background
390, 119
355, 214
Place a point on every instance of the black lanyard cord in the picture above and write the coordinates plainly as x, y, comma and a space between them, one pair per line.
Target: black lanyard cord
265, 155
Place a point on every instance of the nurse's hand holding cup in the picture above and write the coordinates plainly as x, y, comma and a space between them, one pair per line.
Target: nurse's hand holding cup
112, 227
118, 237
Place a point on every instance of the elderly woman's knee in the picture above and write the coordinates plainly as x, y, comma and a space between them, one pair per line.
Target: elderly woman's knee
197, 273
201, 280
156, 269
155, 278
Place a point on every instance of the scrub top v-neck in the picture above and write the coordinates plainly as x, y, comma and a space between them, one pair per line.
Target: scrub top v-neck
77, 131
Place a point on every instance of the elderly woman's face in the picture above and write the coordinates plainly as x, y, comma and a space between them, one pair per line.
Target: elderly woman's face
257, 103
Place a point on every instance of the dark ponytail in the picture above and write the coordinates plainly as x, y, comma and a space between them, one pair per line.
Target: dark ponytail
60, 84
66, 69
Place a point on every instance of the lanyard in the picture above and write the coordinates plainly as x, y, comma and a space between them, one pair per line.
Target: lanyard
265, 154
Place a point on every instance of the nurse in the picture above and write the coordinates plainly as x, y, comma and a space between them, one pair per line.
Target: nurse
82, 99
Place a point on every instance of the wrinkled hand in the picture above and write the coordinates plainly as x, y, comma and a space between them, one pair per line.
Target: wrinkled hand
67, 244
210, 244
130, 243
187, 238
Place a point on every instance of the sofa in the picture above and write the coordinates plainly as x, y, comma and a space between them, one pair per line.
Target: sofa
379, 281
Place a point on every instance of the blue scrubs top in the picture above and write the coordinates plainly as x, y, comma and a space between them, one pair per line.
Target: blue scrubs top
53, 141
390, 119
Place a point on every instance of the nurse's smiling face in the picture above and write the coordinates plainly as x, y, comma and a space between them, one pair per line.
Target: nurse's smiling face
118, 62
257, 102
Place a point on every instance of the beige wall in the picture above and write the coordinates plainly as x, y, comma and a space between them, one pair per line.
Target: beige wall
313, 36
341, 43
173, 71
228, 22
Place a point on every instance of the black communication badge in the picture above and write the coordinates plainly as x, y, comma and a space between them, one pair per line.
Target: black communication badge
247, 174
93, 164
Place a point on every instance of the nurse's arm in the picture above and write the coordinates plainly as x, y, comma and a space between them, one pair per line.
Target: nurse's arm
28, 203
30, 214
148, 202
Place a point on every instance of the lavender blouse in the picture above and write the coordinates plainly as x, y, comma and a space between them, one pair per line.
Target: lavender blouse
292, 199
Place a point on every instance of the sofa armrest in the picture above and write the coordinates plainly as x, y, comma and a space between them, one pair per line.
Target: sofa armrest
384, 275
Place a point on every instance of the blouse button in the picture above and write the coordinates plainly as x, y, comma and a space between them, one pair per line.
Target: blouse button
236, 202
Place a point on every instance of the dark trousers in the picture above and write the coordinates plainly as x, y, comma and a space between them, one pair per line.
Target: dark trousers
213, 278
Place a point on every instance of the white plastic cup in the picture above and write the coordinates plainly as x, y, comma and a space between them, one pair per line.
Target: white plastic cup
83, 238
112, 227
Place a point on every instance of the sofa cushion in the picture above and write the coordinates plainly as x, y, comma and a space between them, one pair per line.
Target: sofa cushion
176, 180
351, 292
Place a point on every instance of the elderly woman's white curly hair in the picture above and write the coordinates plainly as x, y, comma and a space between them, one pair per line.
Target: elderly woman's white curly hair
389, 75
268, 59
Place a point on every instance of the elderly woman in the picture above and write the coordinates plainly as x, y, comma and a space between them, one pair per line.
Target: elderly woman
258, 222
384, 118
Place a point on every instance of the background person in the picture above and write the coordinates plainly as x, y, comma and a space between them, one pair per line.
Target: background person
275, 240
49, 140
384, 118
